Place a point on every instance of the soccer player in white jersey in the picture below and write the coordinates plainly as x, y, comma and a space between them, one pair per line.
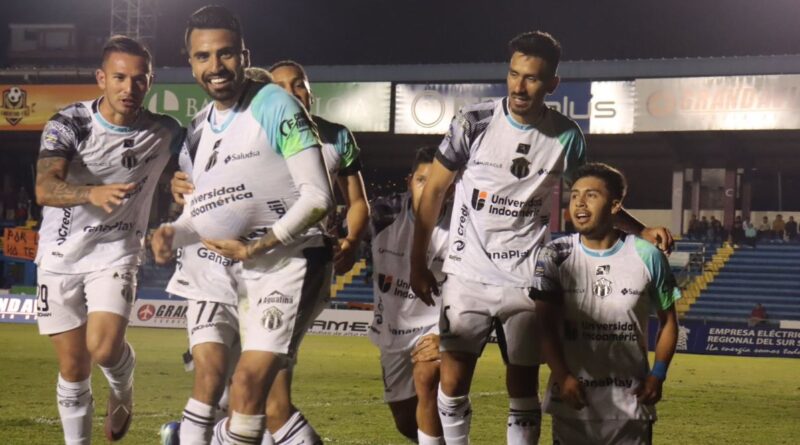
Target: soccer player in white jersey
269, 221
506, 157
97, 171
405, 329
594, 291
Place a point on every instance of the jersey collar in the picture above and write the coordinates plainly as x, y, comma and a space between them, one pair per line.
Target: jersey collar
603, 253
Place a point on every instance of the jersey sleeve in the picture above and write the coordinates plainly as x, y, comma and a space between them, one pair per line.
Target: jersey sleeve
574, 151
350, 162
286, 123
662, 289
454, 150
64, 132
546, 277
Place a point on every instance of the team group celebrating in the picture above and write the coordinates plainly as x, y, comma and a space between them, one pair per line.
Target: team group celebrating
462, 254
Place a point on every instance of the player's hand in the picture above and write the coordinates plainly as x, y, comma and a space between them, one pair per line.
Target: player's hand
109, 196
161, 243
660, 237
233, 249
344, 255
179, 186
426, 350
423, 283
572, 392
649, 393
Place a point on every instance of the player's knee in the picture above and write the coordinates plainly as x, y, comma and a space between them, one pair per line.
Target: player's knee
104, 352
249, 380
426, 380
208, 383
76, 368
522, 381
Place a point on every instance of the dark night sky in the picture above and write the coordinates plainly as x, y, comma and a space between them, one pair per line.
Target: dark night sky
344, 32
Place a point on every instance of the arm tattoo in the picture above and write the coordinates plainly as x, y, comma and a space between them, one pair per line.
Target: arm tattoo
51, 188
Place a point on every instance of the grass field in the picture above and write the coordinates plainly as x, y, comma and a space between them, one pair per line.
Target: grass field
708, 400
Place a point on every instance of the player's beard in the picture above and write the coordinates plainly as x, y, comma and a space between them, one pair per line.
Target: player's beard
229, 92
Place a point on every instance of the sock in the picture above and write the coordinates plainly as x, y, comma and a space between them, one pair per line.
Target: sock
267, 439
455, 414
424, 439
197, 424
120, 376
222, 406
524, 421
296, 430
243, 429
75, 407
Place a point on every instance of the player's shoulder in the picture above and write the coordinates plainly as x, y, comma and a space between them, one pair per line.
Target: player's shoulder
646, 250
163, 120
561, 126
268, 94
75, 113
329, 131
477, 112
559, 250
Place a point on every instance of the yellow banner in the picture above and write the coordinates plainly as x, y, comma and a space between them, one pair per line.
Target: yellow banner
29, 107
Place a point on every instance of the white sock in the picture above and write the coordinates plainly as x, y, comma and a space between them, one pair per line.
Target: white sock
456, 415
267, 439
243, 429
296, 430
424, 439
524, 421
197, 423
75, 407
120, 376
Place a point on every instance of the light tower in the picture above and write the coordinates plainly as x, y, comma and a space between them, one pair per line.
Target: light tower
136, 19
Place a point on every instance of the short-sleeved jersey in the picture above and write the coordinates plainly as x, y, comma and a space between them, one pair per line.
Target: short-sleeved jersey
339, 148
242, 183
507, 172
607, 297
85, 238
400, 317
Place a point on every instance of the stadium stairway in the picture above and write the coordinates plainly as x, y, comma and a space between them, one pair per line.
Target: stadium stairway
715, 260
353, 287
768, 274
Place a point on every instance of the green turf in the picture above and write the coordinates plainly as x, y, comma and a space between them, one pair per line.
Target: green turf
708, 400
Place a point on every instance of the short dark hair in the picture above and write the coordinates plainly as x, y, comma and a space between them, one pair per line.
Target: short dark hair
291, 63
424, 155
213, 17
615, 181
537, 44
124, 44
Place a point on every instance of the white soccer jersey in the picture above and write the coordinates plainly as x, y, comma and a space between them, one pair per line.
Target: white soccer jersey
607, 297
503, 194
242, 183
338, 148
85, 238
400, 317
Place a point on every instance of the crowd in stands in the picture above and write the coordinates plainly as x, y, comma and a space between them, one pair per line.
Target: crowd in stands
743, 231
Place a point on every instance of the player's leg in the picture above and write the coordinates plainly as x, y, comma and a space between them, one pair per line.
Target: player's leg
109, 297
213, 328
426, 384
521, 353
398, 390
61, 314
285, 422
464, 326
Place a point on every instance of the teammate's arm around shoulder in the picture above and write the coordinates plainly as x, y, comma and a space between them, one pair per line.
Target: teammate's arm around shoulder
430, 206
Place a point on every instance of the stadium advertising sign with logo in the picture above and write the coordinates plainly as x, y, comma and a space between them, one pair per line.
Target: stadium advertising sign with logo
29, 107
718, 103
720, 338
611, 107
429, 108
342, 322
362, 106
17, 309
159, 313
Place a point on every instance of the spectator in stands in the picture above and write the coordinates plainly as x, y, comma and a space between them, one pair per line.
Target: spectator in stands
778, 226
758, 315
702, 228
737, 231
750, 233
692, 229
791, 229
715, 230
765, 229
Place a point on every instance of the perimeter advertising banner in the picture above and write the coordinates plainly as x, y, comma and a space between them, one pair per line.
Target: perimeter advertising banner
718, 103
359, 106
429, 108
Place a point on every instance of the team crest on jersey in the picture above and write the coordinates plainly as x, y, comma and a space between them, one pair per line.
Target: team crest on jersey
478, 199
129, 158
602, 288
605, 269
385, 282
520, 167
272, 318
15, 105
524, 148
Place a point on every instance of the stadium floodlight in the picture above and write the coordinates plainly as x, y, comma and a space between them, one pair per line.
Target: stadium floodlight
136, 19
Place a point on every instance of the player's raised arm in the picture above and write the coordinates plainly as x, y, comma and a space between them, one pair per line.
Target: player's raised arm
352, 188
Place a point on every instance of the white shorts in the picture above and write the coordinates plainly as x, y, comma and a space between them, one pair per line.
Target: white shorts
567, 431
470, 310
286, 290
212, 322
398, 372
65, 300
201, 274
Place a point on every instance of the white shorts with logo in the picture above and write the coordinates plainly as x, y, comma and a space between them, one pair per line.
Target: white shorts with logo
470, 310
568, 431
212, 322
202, 274
285, 290
65, 300
398, 371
